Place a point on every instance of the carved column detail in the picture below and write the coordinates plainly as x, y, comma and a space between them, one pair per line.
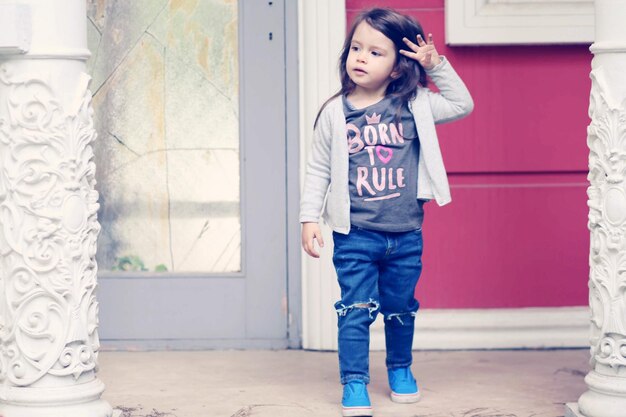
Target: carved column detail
606, 138
48, 224
607, 224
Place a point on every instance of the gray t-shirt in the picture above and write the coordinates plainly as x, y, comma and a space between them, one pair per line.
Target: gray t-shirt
383, 161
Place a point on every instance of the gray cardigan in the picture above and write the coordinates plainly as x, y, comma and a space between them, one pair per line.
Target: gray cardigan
327, 168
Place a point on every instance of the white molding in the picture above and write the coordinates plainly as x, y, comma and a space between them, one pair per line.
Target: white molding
322, 28
15, 21
58, 53
503, 328
497, 22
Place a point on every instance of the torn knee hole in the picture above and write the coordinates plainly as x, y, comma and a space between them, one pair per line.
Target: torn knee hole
401, 317
371, 306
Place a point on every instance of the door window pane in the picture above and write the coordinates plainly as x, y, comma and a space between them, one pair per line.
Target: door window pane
165, 84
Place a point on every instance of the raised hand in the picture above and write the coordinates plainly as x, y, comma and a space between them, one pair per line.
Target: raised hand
423, 52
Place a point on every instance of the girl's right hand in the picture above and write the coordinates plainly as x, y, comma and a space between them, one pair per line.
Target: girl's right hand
310, 232
423, 52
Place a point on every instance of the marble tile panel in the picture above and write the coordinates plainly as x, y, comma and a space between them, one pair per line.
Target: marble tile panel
93, 44
165, 82
203, 35
204, 210
131, 160
128, 109
135, 215
197, 113
96, 12
122, 24
198, 176
206, 244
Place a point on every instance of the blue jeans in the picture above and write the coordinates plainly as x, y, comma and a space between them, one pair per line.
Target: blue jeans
377, 271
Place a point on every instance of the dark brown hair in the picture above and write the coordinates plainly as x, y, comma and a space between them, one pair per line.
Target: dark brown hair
394, 26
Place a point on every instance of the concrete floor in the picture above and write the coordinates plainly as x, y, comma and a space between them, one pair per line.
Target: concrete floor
297, 383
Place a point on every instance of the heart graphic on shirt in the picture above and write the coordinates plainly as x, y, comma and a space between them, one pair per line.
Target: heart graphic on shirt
384, 154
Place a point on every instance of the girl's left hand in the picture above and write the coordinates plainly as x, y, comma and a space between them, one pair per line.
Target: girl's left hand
424, 52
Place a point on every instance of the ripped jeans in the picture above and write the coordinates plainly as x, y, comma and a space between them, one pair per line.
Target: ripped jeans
377, 271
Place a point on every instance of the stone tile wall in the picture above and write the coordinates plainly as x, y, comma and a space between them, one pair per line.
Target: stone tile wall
165, 86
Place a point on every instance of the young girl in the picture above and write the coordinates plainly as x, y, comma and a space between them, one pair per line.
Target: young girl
375, 159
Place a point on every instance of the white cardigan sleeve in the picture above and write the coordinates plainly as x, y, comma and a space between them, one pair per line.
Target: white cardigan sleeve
317, 177
453, 100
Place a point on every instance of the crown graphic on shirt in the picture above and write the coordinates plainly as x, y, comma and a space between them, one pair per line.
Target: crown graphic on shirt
373, 119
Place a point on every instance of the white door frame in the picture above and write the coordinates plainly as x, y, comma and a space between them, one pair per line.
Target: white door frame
322, 26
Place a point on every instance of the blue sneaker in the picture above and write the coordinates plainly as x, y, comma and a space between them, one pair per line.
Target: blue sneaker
403, 386
355, 401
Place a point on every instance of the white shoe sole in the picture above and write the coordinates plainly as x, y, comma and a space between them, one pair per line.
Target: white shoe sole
357, 411
405, 398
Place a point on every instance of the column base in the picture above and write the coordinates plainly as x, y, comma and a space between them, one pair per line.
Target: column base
571, 410
79, 400
606, 396
98, 408
595, 404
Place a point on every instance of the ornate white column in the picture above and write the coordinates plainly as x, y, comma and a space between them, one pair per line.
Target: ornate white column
606, 139
48, 215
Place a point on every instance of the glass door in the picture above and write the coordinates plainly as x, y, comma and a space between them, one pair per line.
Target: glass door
189, 101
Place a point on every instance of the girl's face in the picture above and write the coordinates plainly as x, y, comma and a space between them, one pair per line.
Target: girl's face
371, 60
